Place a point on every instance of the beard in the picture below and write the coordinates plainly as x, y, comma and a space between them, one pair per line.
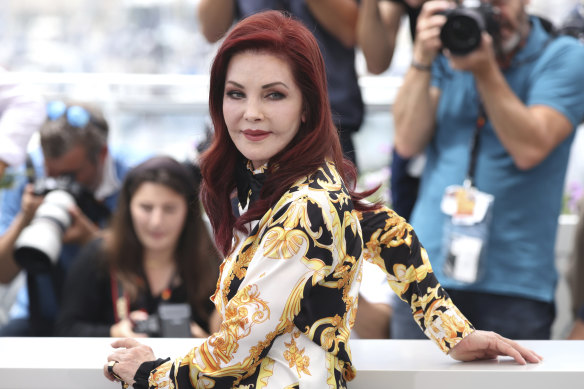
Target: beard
512, 43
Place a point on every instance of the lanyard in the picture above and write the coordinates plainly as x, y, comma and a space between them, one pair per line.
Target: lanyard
121, 300
474, 147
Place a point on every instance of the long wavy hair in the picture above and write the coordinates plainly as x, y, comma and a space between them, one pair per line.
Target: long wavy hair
196, 256
316, 141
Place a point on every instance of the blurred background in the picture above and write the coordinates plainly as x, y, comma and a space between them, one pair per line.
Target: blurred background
146, 64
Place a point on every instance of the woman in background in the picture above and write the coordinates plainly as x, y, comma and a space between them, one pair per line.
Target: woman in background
157, 252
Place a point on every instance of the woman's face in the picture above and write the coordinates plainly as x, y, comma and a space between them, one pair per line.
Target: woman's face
262, 105
158, 214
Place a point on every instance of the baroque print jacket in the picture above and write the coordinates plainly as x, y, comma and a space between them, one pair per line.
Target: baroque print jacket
288, 293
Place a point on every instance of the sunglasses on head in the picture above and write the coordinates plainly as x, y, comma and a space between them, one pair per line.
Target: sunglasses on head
76, 116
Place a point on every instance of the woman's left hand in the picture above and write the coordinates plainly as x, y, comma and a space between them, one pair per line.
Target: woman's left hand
489, 345
197, 331
129, 356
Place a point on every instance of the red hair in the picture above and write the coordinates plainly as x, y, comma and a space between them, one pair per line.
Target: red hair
316, 141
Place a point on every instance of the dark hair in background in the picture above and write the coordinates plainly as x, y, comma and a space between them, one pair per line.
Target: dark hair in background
196, 256
317, 138
59, 136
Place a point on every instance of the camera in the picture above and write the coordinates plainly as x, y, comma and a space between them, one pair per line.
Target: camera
171, 321
38, 247
464, 25
573, 24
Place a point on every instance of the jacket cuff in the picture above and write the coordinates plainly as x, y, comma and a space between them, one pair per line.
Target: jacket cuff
143, 373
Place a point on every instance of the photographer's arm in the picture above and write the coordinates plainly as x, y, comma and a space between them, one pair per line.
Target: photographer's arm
415, 104
215, 18
338, 17
3, 166
528, 133
9, 269
377, 28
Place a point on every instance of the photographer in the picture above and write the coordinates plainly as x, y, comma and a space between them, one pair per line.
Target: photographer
155, 269
496, 125
74, 149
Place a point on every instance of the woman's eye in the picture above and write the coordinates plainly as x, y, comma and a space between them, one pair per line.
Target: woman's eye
276, 96
235, 94
170, 209
147, 208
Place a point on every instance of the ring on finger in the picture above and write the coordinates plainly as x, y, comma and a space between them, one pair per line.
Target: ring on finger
110, 369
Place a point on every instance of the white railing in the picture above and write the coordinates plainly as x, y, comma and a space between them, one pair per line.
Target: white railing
72, 363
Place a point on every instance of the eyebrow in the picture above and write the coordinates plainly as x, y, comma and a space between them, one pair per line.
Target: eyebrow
270, 85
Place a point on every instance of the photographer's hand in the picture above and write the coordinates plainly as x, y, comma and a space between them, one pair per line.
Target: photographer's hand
29, 203
479, 61
430, 22
82, 230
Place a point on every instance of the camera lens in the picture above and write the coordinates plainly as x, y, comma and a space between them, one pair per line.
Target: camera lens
39, 245
461, 33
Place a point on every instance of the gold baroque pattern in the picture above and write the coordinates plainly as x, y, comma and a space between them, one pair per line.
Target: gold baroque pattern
295, 356
274, 282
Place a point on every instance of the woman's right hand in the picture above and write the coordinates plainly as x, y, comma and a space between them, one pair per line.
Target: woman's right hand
125, 328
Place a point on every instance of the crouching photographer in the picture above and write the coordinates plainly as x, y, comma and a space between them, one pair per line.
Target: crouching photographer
62, 197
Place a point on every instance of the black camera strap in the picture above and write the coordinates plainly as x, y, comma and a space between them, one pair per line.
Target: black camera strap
30, 172
474, 146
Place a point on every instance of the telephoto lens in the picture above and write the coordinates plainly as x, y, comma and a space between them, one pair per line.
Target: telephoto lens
38, 247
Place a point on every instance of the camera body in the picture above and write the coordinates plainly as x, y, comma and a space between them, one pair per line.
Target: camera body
38, 246
573, 24
461, 34
173, 320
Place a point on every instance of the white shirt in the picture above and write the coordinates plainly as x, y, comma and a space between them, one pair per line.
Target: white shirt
22, 112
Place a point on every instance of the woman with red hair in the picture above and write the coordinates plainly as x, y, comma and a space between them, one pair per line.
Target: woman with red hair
292, 241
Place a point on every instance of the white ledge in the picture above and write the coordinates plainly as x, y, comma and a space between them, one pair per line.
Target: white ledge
68, 363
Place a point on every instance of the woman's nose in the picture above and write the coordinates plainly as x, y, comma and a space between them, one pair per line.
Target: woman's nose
156, 217
253, 111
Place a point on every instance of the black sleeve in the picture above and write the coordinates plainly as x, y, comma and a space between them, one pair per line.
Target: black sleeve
86, 305
143, 372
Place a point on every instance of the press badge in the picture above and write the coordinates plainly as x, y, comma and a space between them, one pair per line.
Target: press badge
468, 216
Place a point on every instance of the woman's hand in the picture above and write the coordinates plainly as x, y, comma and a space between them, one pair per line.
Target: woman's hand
489, 345
125, 329
130, 354
197, 331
